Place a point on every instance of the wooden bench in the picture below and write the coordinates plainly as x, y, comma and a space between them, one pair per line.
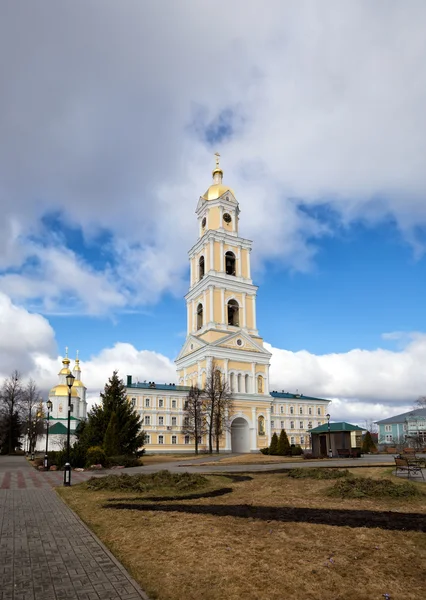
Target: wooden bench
349, 453
408, 466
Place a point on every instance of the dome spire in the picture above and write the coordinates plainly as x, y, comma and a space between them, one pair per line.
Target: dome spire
217, 171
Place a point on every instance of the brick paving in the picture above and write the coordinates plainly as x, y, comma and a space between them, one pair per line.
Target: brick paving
46, 551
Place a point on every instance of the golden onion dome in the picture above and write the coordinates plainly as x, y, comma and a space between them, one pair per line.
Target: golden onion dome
64, 371
62, 390
217, 190
78, 383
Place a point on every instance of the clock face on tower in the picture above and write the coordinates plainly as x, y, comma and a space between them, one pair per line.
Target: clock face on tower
227, 218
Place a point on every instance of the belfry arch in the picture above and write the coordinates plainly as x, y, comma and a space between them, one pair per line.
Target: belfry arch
230, 263
233, 313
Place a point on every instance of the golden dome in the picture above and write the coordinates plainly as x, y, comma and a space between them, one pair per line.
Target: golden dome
62, 390
217, 190
64, 371
78, 383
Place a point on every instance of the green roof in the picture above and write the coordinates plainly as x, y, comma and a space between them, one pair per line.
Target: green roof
335, 427
63, 418
58, 428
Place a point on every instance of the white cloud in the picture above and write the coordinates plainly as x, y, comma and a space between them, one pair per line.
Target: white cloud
324, 103
372, 379
23, 337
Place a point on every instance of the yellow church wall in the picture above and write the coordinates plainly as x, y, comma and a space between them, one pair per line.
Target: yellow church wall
249, 312
217, 306
239, 366
217, 255
244, 270
214, 218
213, 336
260, 368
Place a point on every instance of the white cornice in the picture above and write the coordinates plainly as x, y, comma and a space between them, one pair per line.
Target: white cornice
229, 283
219, 235
211, 351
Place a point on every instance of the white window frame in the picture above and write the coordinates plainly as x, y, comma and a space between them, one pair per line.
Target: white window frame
161, 440
174, 439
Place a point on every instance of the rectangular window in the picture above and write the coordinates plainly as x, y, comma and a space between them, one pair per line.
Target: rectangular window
272, 424
310, 425
133, 402
388, 427
301, 410
292, 440
319, 411
173, 403
161, 439
186, 421
185, 405
160, 403
282, 424
146, 402
173, 421
282, 409
389, 438
161, 420
302, 439
291, 424
318, 423
405, 427
147, 420
174, 439
301, 425
272, 410
147, 439
187, 439
291, 410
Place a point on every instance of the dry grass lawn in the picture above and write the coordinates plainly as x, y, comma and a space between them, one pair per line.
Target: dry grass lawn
179, 556
153, 459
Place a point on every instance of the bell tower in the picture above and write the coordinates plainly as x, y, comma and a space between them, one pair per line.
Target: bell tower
221, 301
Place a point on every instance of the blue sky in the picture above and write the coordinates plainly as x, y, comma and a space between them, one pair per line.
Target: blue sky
107, 144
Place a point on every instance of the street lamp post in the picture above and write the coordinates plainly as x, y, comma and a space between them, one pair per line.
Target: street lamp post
67, 469
46, 456
330, 451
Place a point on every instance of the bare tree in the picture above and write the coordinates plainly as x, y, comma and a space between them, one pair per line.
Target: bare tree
371, 426
194, 420
33, 413
11, 402
218, 405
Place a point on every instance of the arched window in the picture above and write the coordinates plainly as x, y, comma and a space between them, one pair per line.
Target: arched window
260, 384
199, 316
261, 426
233, 313
246, 386
239, 389
229, 263
201, 267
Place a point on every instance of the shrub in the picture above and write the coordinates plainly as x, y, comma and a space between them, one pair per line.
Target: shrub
123, 461
144, 482
318, 473
365, 487
273, 448
264, 450
283, 444
296, 450
308, 455
95, 456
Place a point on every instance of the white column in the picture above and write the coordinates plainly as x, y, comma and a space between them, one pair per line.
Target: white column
239, 262
193, 316
225, 369
248, 263
211, 304
188, 310
254, 311
253, 378
199, 374
222, 256
266, 387
222, 293
211, 254
268, 425
253, 442
244, 322
204, 307
191, 271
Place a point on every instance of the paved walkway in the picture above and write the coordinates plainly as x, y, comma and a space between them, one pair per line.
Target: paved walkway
46, 551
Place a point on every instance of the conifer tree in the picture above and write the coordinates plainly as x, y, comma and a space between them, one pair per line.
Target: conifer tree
368, 445
283, 444
111, 439
273, 448
128, 424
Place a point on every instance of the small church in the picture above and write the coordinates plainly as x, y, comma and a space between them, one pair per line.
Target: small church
58, 395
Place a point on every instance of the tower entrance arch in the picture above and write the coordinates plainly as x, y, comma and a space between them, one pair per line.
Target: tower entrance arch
240, 435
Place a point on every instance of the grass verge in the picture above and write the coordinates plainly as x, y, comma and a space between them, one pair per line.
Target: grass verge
176, 555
